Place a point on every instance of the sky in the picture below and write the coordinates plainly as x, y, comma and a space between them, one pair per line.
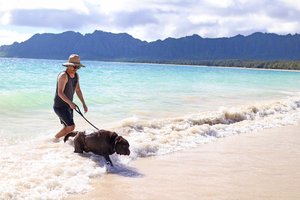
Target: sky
148, 20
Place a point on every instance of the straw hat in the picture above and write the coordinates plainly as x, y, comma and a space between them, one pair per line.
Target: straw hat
74, 60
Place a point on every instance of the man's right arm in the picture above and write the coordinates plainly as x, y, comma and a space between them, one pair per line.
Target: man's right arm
62, 81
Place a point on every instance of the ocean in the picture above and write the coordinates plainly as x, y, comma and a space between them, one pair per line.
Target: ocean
158, 108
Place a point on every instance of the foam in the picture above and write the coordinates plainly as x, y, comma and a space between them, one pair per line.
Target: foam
41, 169
157, 137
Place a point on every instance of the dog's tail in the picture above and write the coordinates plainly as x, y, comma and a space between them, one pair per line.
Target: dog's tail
71, 134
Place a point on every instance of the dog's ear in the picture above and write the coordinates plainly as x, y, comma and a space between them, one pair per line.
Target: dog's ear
118, 139
113, 137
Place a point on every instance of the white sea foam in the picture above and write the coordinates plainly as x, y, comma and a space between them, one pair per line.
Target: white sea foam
163, 136
40, 169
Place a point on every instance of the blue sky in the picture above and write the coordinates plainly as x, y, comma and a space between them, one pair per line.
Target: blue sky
148, 19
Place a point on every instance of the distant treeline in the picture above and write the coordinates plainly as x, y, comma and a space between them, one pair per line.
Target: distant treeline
281, 64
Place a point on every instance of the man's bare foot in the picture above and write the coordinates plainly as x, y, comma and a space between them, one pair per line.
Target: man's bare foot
55, 140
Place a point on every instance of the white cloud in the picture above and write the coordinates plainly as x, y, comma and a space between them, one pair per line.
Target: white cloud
291, 3
284, 28
9, 37
152, 19
78, 5
220, 4
6, 18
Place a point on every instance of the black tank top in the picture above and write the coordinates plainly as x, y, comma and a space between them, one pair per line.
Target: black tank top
68, 91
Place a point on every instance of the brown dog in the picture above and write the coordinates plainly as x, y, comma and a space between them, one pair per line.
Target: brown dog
102, 143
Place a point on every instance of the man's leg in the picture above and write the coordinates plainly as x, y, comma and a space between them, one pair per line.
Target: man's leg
65, 115
64, 131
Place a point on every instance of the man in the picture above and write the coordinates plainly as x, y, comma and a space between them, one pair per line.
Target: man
67, 85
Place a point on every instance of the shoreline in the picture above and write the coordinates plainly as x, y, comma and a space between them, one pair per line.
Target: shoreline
257, 165
202, 65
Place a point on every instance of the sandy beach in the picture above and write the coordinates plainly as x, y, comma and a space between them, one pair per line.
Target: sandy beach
258, 165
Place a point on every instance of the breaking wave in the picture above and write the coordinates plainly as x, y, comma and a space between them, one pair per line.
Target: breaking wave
163, 136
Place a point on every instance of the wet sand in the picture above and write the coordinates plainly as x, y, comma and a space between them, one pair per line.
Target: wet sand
260, 165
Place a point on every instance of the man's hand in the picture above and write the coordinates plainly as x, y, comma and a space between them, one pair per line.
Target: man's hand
72, 105
85, 108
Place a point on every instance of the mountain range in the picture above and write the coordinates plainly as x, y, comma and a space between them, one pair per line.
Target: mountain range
101, 45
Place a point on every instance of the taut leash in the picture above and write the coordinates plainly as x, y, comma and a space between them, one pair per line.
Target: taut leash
80, 113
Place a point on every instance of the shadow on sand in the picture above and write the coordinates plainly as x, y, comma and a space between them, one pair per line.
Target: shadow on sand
118, 168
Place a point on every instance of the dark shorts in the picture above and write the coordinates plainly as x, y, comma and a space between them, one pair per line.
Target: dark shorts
65, 115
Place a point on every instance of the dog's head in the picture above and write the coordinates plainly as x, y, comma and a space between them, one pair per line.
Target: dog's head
122, 146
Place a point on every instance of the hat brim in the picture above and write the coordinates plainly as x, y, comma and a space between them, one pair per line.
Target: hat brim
72, 64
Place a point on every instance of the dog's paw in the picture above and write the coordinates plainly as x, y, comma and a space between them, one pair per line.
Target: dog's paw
109, 163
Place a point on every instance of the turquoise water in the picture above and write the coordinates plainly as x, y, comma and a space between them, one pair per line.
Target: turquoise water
118, 88
159, 109
117, 91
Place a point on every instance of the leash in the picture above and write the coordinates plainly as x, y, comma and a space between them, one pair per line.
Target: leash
80, 113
